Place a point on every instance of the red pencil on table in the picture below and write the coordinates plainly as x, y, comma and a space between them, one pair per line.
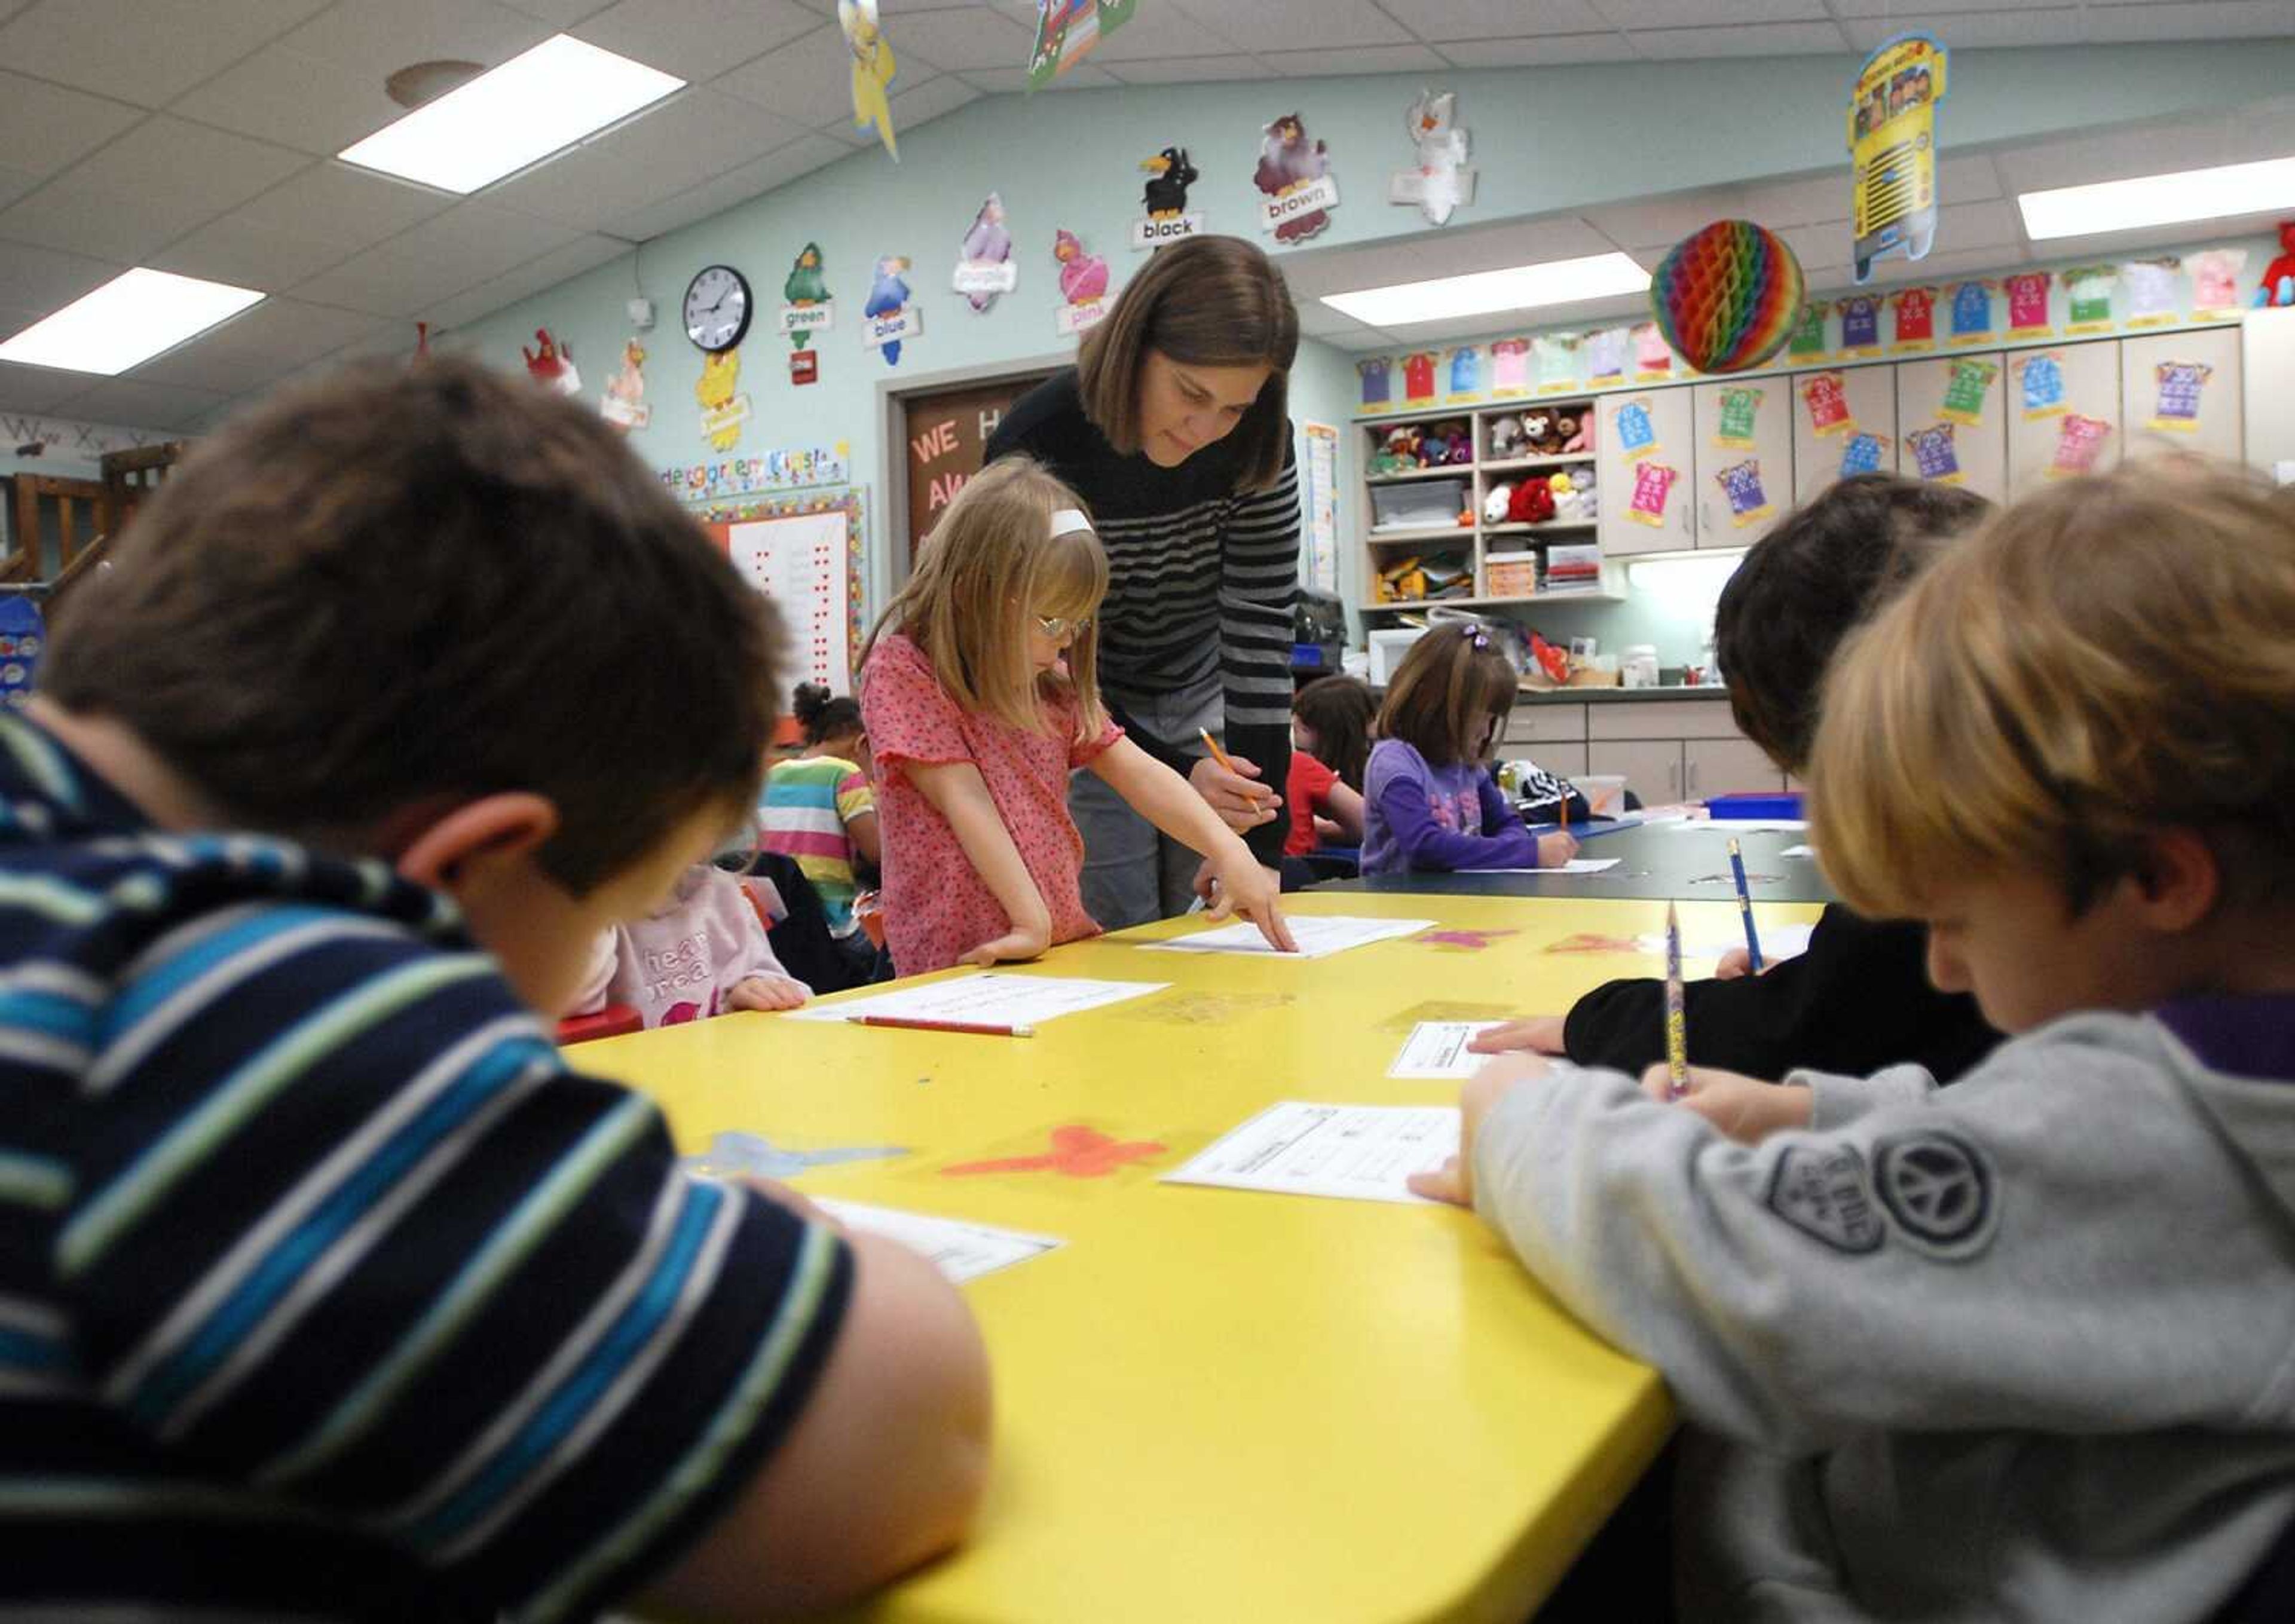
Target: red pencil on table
986, 1029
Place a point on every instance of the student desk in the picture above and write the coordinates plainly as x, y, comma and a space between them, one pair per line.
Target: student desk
1212, 1404
1655, 859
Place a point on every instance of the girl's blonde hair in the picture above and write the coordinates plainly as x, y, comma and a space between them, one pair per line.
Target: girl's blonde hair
2110, 657
992, 561
1449, 683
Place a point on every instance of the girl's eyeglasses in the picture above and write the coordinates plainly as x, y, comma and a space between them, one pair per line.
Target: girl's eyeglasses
1062, 626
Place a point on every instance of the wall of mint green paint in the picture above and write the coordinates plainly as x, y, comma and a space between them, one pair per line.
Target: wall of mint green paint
1070, 159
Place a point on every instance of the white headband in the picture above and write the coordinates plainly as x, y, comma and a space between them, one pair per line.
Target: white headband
1064, 519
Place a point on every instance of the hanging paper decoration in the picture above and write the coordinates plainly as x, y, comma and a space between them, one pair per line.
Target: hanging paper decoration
23, 632
1964, 390
1653, 484
2041, 379
1916, 312
1065, 30
1083, 286
2150, 285
2179, 382
1652, 360
2027, 304
1736, 430
1726, 296
552, 366
1825, 396
1418, 377
1441, 180
1465, 375
2215, 283
1807, 340
1741, 483
723, 408
1933, 456
1860, 324
1893, 150
1861, 453
890, 317
623, 404
2079, 441
809, 309
1165, 200
2088, 291
872, 69
1636, 435
1510, 367
1971, 311
1606, 356
1558, 361
984, 260
1293, 174
1377, 375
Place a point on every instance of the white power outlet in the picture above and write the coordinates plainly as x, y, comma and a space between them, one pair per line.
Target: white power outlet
640, 313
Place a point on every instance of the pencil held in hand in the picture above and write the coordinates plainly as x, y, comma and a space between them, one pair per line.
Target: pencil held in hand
1745, 905
1227, 762
1677, 1019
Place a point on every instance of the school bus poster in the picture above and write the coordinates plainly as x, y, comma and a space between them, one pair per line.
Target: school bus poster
1893, 150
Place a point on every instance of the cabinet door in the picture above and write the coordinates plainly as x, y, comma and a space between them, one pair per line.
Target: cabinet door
1647, 465
1744, 460
1948, 425
2053, 415
1727, 766
1651, 767
1864, 439
2181, 391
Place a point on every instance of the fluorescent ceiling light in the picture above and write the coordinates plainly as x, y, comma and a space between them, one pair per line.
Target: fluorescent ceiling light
1558, 281
130, 319
2160, 199
509, 117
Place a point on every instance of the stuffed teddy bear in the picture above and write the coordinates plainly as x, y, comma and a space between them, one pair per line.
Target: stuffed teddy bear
1506, 440
1533, 503
1494, 505
1546, 433
1573, 431
1448, 443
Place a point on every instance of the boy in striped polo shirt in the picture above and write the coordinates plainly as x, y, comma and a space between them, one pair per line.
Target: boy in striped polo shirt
326, 1291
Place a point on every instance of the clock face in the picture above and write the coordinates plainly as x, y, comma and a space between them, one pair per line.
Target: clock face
717, 308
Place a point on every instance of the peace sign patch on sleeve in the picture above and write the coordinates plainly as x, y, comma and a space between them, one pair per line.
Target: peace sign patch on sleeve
1935, 1191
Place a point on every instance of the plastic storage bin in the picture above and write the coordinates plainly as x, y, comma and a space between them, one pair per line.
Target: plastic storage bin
1417, 505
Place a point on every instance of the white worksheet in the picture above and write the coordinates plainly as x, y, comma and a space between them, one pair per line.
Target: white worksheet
989, 997
1319, 935
1576, 865
1362, 1153
961, 1251
1740, 826
1799, 851
1437, 1050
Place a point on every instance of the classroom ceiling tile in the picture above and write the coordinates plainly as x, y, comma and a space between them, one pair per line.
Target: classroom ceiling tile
289, 96
677, 144
33, 388
1011, 81
1751, 39
250, 254
467, 244
1479, 20
2211, 20
1662, 222
1312, 272
161, 179
2058, 25
145, 405
262, 345
1992, 223
42, 127
809, 79
1942, 266
974, 37
43, 280
1827, 242
1807, 202
15, 183
563, 14
1965, 179
696, 39
343, 203
1700, 13
1317, 320
1354, 59
1157, 33
930, 100
377, 37
800, 157
147, 51
536, 275
1285, 25
2149, 148
1897, 8
1551, 51
1185, 70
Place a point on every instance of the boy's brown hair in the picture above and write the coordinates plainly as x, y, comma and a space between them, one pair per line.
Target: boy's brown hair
1448, 685
2108, 658
1340, 709
396, 589
1205, 301
995, 559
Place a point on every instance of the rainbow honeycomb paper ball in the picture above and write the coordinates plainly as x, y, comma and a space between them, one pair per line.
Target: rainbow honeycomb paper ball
1725, 297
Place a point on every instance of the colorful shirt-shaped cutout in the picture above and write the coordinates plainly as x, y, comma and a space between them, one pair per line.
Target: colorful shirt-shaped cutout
2087, 292
1466, 370
1736, 428
1653, 484
1860, 321
1605, 354
1419, 376
1558, 360
1964, 390
1826, 398
2041, 378
1933, 457
1741, 484
1861, 453
1636, 435
1808, 338
2214, 280
1915, 309
2028, 302
1971, 310
2080, 442
1652, 356
2151, 290
1510, 366
1377, 380
2180, 383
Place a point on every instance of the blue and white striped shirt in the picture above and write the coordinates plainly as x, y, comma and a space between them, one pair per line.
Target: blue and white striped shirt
326, 1291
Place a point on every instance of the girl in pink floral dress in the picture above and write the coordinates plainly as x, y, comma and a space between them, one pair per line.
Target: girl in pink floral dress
979, 693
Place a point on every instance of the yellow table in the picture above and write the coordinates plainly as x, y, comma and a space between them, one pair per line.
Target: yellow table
1214, 1404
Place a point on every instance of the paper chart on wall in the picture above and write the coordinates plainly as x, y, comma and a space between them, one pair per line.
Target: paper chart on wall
961, 1251
1360, 1153
798, 560
988, 998
1319, 935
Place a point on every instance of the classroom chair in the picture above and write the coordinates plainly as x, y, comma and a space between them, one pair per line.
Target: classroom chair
611, 1022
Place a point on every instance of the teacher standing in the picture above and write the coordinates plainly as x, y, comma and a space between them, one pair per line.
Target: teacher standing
1174, 428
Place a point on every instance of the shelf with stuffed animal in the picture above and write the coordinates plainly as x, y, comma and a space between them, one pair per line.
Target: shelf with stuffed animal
1539, 435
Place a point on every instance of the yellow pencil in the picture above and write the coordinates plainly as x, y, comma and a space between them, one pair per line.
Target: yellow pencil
1224, 760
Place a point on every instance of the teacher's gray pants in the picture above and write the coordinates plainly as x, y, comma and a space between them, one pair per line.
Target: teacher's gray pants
1132, 871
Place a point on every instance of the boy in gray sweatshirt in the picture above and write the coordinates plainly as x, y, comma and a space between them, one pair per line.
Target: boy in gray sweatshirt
2024, 1349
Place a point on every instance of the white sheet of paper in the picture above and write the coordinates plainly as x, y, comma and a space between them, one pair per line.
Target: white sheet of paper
1799, 851
961, 1251
1576, 865
1361, 1153
1739, 826
1437, 1050
989, 997
1319, 935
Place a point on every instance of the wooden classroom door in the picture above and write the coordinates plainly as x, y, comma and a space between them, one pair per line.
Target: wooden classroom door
1645, 512
1847, 424
2064, 413
1744, 460
947, 433
1952, 422
2182, 393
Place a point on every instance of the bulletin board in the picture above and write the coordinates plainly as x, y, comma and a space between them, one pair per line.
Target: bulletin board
805, 554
